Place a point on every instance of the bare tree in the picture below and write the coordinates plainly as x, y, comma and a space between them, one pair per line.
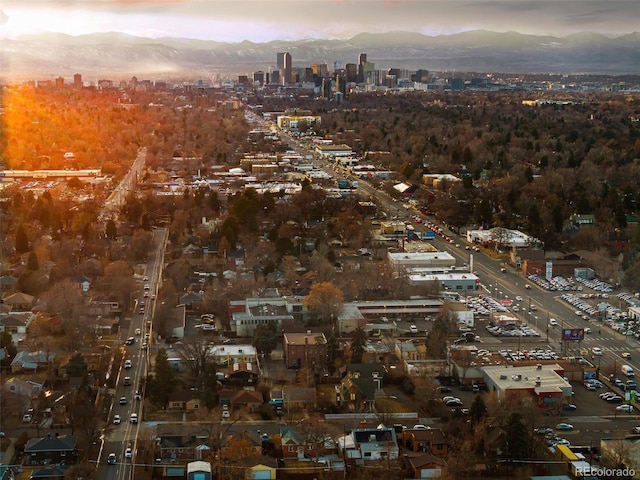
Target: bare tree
196, 353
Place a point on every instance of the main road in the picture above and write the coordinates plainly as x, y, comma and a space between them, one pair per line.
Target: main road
128, 396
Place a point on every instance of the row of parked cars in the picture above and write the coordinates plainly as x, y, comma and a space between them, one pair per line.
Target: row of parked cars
512, 331
582, 306
595, 284
538, 354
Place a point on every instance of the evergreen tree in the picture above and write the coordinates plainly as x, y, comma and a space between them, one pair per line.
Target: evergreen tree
22, 242
32, 262
358, 342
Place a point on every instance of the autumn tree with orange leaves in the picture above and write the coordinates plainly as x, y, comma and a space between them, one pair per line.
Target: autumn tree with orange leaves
327, 300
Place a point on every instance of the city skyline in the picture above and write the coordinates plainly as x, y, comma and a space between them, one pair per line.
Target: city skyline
259, 21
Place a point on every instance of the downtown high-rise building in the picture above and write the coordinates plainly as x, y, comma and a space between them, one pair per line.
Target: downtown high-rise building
285, 67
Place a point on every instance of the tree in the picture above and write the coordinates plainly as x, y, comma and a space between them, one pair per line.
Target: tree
32, 262
478, 409
161, 383
22, 241
517, 441
266, 337
6, 342
77, 367
111, 230
196, 353
358, 343
326, 299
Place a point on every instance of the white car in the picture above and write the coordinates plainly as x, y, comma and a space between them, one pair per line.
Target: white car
553, 322
625, 408
116, 419
128, 453
413, 329
596, 351
127, 364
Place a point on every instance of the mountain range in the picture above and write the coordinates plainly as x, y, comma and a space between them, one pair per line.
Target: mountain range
478, 51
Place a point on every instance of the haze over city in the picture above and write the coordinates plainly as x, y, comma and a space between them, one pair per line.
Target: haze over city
261, 21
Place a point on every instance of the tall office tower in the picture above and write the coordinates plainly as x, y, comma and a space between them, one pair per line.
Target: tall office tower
351, 70
77, 80
326, 88
275, 77
258, 77
320, 69
285, 66
362, 59
341, 85
422, 76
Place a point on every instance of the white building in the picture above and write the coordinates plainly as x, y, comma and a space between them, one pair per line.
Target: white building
401, 261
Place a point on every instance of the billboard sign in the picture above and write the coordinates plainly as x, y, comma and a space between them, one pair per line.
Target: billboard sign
572, 334
548, 270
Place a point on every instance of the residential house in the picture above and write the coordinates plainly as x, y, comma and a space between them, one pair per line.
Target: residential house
376, 352
16, 323
368, 444
192, 301
307, 350
8, 283
19, 301
25, 360
430, 440
37, 382
295, 444
83, 282
240, 445
298, 398
249, 399
21, 387
357, 390
183, 401
242, 374
55, 473
231, 354
92, 267
181, 442
426, 465
52, 449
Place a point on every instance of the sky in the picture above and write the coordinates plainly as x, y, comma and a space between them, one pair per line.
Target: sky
265, 20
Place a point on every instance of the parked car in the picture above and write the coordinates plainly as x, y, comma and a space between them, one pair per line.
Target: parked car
542, 430
635, 430
564, 426
569, 406
625, 408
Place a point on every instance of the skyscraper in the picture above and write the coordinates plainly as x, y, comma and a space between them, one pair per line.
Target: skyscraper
362, 59
285, 66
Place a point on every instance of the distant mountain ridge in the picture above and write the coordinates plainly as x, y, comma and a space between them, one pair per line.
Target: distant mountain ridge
479, 50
